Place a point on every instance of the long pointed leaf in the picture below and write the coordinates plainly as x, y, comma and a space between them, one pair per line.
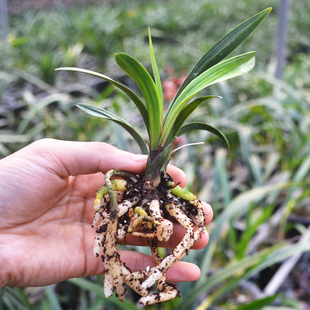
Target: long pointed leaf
224, 47
186, 112
224, 70
156, 72
148, 88
259, 303
202, 126
99, 112
97, 289
137, 101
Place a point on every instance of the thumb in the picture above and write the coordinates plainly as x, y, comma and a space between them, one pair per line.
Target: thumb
67, 158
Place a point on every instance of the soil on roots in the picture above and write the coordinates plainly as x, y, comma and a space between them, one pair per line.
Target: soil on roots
146, 212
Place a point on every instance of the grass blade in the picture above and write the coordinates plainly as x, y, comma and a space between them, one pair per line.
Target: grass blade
237, 206
228, 287
222, 274
39, 106
258, 304
99, 112
148, 88
255, 263
92, 287
16, 297
52, 298
251, 229
224, 47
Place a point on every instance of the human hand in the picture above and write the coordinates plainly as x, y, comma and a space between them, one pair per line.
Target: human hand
46, 210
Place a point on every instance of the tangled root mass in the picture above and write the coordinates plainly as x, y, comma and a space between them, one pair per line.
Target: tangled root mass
128, 205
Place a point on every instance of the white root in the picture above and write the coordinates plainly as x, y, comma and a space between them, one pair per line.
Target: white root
159, 297
108, 285
154, 276
166, 291
149, 215
121, 233
137, 275
125, 205
113, 278
111, 265
116, 273
183, 247
200, 214
99, 206
98, 244
97, 217
164, 228
154, 251
122, 209
133, 280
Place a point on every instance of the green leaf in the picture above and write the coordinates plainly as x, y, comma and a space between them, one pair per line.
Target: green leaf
97, 289
222, 274
148, 88
226, 69
251, 229
202, 126
52, 298
238, 205
17, 297
225, 289
224, 47
222, 71
156, 71
99, 112
137, 101
258, 304
256, 262
186, 112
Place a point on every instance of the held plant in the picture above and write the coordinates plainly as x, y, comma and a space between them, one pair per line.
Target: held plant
140, 205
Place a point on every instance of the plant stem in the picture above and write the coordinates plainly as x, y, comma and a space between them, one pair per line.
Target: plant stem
156, 163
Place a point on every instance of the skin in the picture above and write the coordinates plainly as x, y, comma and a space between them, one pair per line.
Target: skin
46, 210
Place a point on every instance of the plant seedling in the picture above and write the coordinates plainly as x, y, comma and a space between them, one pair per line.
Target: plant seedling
142, 205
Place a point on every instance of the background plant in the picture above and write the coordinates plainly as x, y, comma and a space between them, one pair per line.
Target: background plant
257, 191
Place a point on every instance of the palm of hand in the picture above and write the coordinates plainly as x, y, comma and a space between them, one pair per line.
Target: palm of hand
49, 235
